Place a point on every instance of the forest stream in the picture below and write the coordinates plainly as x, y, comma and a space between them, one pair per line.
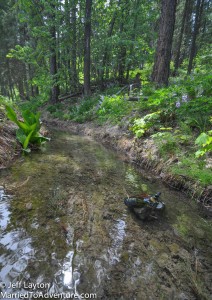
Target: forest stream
65, 231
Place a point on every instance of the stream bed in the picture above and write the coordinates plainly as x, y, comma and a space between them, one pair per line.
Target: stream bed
66, 233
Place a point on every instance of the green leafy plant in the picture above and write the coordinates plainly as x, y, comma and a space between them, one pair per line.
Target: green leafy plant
114, 108
167, 142
204, 141
55, 107
192, 168
28, 131
84, 111
141, 125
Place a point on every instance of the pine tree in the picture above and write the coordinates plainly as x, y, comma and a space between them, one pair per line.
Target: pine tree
161, 69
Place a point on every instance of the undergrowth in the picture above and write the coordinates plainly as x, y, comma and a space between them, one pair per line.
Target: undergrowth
177, 118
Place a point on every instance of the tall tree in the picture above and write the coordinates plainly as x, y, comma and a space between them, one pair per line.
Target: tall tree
123, 48
87, 48
55, 90
180, 39
161, 69
197, 22
74, 76
105, 57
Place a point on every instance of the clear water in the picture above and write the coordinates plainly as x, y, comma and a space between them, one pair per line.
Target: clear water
65, 230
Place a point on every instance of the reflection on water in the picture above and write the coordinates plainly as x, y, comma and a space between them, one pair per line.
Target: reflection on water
66, 229
117, 236
4, 209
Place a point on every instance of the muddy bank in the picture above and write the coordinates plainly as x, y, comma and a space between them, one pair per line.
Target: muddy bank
144, 154
9, 147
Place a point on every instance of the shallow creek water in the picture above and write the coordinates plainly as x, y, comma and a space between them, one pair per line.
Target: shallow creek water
65, 230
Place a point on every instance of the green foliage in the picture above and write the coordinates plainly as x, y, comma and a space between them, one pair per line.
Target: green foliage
203, 61
204, 141
141, 125
22, 53
28, 131
33, 105
167, 143
80, 112
114, 108
84, 111
194, 169
53, 108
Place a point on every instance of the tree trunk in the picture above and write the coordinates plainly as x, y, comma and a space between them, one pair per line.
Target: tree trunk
133, 37
123, 49
121, 57
179, 42
87, 48
74, 76
55, 90
161, 69
198, 14
105, 55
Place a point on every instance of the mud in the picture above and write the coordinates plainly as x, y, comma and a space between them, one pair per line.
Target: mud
65, 228
9, 147
145, 155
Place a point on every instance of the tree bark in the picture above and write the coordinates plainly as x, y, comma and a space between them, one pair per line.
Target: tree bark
133, 37
121, 58
161, 69
179, 42
87, 48
105, 55
55, 90
74, 76
198, 14
123, 49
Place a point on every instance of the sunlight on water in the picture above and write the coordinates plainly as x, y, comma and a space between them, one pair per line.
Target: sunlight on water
117, 236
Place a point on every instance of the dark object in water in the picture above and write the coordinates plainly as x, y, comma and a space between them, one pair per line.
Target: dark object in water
145, 206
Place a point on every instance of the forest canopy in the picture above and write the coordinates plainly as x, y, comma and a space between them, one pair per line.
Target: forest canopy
142, 65
51, 48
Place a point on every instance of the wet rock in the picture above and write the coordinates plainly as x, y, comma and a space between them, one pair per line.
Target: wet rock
182, 296
125, 257
157, 246
107, 216
163, 260
64, 228
174, 248
29, 206
184, 255
200, 233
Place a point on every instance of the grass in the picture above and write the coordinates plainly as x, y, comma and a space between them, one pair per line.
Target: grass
194, 169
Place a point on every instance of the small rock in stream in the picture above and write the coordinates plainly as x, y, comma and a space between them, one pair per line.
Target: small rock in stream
29, 206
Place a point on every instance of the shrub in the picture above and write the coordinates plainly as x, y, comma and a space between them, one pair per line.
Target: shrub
167, 143
83, 111
114, 108
204, 141
141, 125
